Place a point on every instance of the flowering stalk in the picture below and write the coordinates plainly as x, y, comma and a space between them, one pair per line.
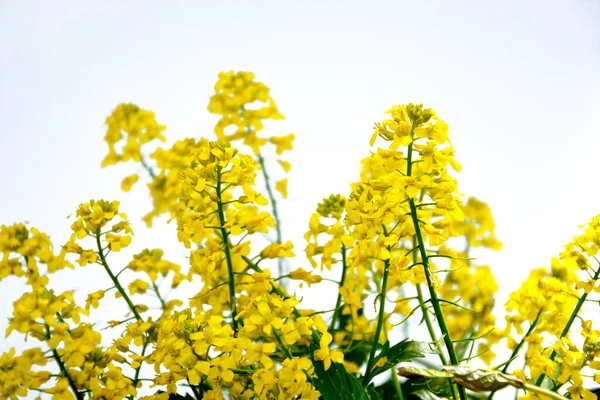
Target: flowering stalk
226, 249
123, 293
567, 327
517, 348
380, 318
114, 279
63, 369
433, 295
425, 262
338, 301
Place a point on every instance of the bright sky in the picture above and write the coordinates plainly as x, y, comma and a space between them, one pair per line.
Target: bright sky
517, 81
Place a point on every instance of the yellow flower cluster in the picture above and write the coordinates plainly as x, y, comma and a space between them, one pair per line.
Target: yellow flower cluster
405, 203
55, 321
396, 222
24, 250
243, 105
549, 302
401, 239
130, 127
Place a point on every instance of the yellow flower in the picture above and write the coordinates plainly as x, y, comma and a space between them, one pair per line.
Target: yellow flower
281, 187
325, 354
128, 182
294, 369
276, 250
303, 275
285, 165
87, 257
93, 299
117, 242
282, 143
138, 286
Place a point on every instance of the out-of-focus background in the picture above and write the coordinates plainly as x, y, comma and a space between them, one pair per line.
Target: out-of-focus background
517, 81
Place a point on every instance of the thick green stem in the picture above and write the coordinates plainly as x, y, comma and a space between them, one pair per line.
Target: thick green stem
226, 249
429, 324
338, 302
425, 262
380, 318
567, 327
425, 310
435, 302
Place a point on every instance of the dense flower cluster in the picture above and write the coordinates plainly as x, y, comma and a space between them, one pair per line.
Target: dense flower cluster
549, 302
398, 244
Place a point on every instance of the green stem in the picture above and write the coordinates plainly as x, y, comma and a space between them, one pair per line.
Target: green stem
435, 302
123, 293
425, 310
425, 260
516, 350
394, 377
522, 342
380, 318
136, 378
148, 168
194, 390
429, 324
63, 369
338, 302
286, 351
565, 331
163, 305
225, 236
261, 162
289, 355
114, 279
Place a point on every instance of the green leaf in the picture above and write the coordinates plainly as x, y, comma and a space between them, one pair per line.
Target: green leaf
389, 357
337, 384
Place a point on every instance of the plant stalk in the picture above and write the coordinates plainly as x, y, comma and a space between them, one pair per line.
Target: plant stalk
225, 236
380, 318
